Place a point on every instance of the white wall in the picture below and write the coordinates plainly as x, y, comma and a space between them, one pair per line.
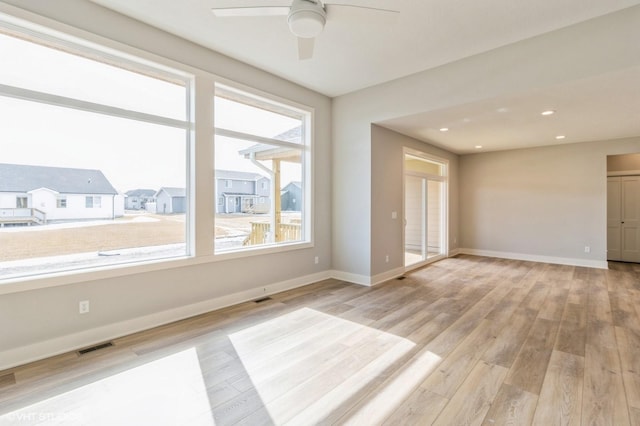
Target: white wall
546, 203
46, 320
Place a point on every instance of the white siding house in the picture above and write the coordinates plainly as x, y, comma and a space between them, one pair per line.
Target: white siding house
170, 200
42, 194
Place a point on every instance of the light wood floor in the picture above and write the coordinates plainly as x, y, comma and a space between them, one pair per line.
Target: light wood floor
468, 340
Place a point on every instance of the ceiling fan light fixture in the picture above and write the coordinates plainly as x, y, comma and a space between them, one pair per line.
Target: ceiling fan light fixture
306, 23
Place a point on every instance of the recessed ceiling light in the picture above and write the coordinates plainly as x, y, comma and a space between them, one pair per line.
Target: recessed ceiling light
444, 129
560, 137
548, 112
478, 146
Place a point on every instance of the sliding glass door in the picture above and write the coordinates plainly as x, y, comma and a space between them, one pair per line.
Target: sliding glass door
424, 209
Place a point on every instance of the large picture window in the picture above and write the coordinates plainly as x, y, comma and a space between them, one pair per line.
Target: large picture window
262, 158
78, 136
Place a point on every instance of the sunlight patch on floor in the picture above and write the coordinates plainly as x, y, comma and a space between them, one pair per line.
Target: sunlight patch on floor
167, 391
396, 390
306, 364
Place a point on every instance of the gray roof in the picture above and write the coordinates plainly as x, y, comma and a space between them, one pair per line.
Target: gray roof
173, 192
233, 175
141, 193
24, 178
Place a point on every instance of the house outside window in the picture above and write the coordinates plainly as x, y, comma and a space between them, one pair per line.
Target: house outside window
109, 110
265, 144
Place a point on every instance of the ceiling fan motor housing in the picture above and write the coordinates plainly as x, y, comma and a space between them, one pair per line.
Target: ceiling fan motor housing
306, 18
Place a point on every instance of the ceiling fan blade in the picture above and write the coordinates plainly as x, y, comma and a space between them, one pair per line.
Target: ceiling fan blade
251, 11
241, 4
305, 48
379, 5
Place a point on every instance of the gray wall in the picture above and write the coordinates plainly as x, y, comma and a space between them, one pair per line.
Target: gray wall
386, 180
31, 317
548, 201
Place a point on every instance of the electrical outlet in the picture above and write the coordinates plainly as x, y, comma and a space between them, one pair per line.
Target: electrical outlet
587, 249
317, 260
83, 307
394, 215
386, 258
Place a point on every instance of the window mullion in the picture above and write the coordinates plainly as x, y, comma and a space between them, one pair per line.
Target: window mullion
62, 101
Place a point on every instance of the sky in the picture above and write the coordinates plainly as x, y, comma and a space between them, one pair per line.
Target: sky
130, 153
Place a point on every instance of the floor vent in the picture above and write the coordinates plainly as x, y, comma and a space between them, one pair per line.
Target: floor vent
263, 299
400, 278
95, 348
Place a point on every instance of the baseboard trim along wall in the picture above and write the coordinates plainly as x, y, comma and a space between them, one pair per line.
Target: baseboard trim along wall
37, 351
364, 280
59, 345
599, 264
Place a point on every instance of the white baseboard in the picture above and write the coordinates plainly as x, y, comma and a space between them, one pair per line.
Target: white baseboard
599, 264
453, 252
364, 280
387, 275
37, 351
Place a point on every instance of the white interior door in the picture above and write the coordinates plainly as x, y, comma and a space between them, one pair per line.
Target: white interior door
630, 223
614, 219
623, 218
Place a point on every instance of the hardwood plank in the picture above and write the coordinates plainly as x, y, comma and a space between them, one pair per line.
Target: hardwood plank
421, 407
560, 400
628, 342
447, 341
327, 393
604, 401
392, 392
598, 306
512, 406
528, 370
622, 310
573, 330
453, 370
553, 306
7, 380
473, 399
634, 414
536, 296
504, 349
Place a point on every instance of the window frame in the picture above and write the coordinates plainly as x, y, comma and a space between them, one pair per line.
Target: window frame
237, 92
49, 33
201, 85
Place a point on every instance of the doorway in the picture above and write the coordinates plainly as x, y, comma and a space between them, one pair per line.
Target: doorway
623, 208
623, 218
425, 207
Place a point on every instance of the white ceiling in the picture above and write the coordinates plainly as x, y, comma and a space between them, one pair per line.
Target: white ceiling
360, 48
599, 108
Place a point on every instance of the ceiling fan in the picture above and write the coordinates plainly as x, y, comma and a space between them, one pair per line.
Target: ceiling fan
306, 18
